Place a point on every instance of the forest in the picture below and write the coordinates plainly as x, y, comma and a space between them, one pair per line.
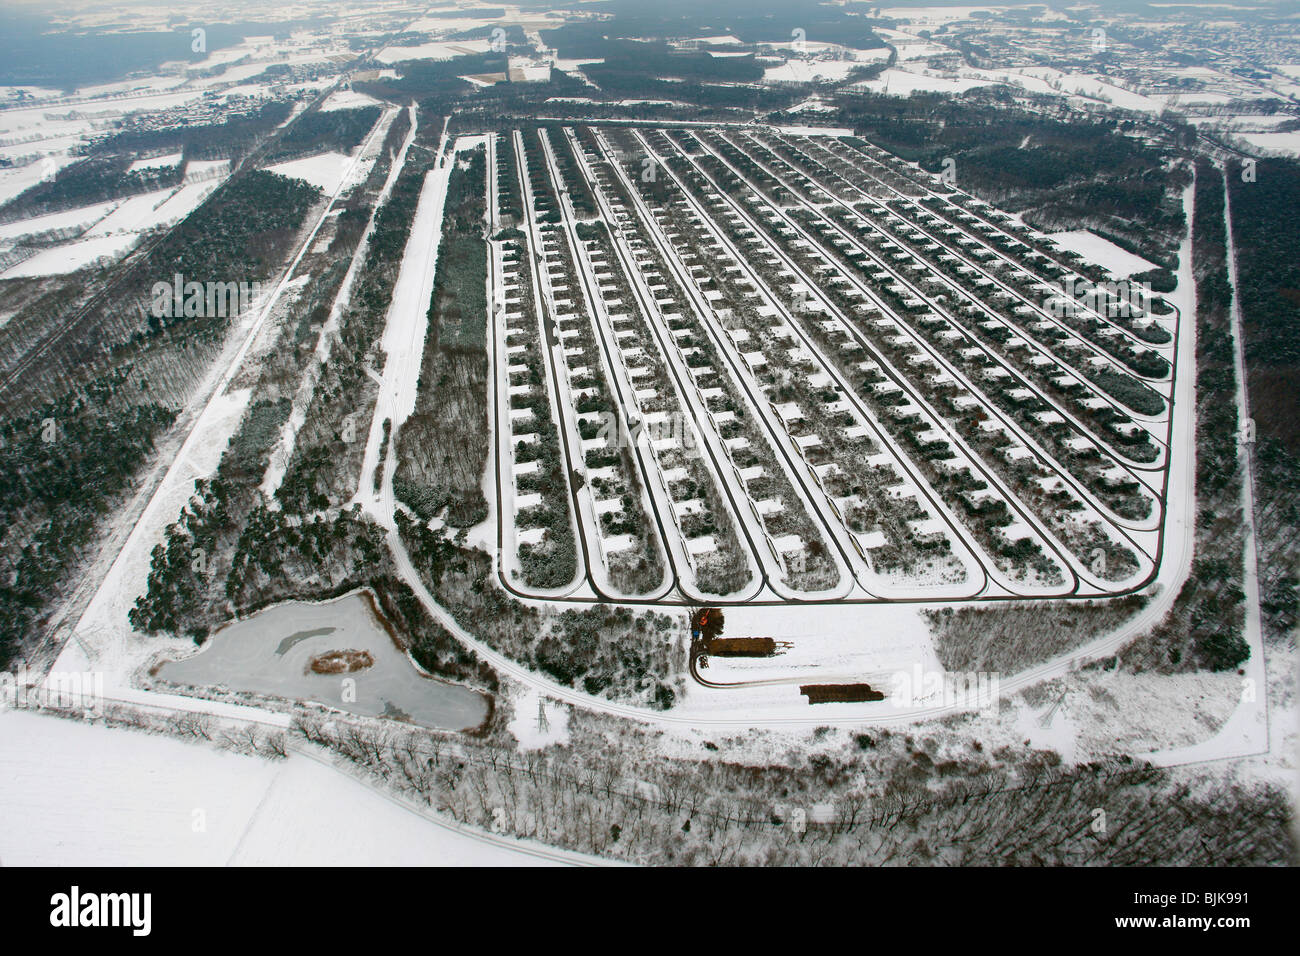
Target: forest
603, 650
88, 182
61, 466
750, 21
233, 137
1267, 233
65, 461
921, 797
339, 130
442, 447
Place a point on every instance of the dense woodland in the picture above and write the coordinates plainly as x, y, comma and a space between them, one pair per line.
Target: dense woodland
1267, 235
66, 460
88, 182
751, 21
1266, 231
1204, 628
61, 467
442, 447
317, 131
603, 650
232, 138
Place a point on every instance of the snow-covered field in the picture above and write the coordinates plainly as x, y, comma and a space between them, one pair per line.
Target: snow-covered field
182, 202
806, 71
132, 214
325, 170
18, 180
904, 83
1118, 262
347, 100
156, 162
432, 51
57, 221
1274, 142
61, 260
830, 644
99, 796
537, 726
114, 228
197, 169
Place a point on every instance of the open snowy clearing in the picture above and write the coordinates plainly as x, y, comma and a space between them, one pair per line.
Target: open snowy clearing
190, 804
904, 83
324, 170
15, 181
432, 51
71, 219
1287, 143
61, 260
157, 162
347, 100
808, 71
1117, 261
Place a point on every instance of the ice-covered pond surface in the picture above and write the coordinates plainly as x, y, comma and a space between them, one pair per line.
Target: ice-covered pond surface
271, 653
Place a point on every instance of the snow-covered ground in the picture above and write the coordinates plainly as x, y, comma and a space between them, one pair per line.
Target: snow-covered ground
806, 71
132, 214
114, 228
830, 644
904, 83
814, 130
206, 168
72, 219
432, 51
19, 179
1118, 262
1288, 143
404, 332
92, 796
156, 162
61, 260
282, 452
347, 100
1096, 88
324, 170
184, 201
538, 722
98, 796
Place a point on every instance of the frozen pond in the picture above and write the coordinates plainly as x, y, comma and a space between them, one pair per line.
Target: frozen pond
271, 653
